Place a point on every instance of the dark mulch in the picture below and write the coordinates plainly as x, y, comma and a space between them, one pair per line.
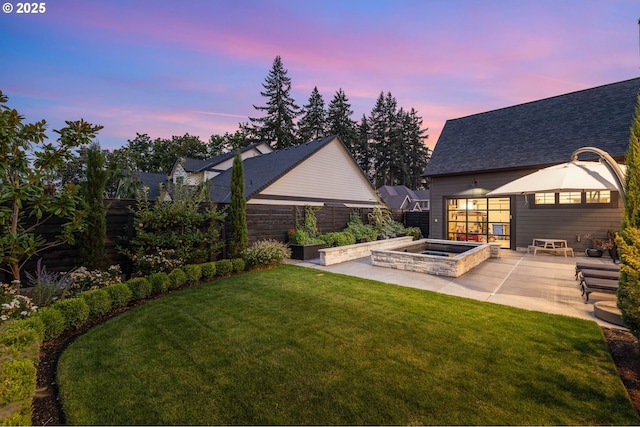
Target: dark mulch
47, 411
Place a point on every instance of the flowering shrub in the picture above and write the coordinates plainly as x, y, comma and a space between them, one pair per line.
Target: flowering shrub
160, 261
12, 305
84, 280
266, 253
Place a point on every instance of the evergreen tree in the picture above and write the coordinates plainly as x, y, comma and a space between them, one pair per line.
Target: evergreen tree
417, 153
383, 123
339, 121
362, 152
313, 122
628, 239
277, 126
238, 209
229, 142
93, 241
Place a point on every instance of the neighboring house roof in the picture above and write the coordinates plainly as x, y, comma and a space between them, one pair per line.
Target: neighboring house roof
538, 133
402, 197
153, 181
192, 165
326, 175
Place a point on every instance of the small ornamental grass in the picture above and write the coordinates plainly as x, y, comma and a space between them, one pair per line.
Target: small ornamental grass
293, 346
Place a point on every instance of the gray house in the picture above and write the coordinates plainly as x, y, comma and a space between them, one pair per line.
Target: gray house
478, 153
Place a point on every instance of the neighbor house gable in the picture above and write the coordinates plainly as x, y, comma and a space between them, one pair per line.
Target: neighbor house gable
316, 173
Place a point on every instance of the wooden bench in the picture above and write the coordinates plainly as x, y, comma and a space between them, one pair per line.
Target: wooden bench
537, 248
596, 284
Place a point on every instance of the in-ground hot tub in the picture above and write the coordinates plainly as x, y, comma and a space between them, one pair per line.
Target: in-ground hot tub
433, 256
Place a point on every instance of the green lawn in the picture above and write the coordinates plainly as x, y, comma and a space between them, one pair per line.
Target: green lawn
294, 346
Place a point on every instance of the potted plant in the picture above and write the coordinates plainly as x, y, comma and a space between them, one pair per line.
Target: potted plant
303, 241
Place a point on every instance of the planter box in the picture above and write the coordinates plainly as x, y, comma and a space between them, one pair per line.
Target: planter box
306, 252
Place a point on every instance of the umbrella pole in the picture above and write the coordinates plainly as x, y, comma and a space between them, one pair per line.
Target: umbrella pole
609, 162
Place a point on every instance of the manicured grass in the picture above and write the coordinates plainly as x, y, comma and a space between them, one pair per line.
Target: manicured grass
294, 346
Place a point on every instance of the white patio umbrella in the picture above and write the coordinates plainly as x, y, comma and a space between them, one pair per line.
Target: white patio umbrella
576, 175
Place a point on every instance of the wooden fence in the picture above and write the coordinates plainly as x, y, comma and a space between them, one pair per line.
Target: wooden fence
263, 222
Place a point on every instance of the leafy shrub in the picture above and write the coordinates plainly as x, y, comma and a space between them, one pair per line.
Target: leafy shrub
120, 294
18, 380
75, 312
208, 270
140, 287
224, 267
193, 272
238, 264
302, 237
360, 231
54, 322
14, 306
413, 231
161, 260
98, 300
85, 280
338, 238
160, 282
266, 253
19, 337
178, 278
185, 224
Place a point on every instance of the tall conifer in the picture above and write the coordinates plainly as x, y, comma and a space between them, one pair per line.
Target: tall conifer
238, 208
628, 240
312, 125
277, 127
93, 241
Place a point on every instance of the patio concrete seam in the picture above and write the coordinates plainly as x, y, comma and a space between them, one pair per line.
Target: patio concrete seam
495, 291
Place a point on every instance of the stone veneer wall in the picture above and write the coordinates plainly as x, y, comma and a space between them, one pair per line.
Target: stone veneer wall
432, 264
330, 256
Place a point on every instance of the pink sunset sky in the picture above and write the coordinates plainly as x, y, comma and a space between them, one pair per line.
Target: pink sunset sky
173, 67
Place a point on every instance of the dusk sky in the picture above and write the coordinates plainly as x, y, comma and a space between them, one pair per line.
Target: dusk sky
173, 67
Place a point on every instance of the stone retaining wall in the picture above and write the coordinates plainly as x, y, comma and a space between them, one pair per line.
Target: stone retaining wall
441, 266
330, 256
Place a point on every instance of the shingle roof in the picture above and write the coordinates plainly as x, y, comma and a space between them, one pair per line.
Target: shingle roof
153, 181
197, 165
538, 133
261, 171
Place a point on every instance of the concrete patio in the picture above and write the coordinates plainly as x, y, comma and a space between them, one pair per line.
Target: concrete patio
544, 282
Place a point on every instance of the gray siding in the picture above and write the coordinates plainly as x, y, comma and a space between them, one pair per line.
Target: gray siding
527, 223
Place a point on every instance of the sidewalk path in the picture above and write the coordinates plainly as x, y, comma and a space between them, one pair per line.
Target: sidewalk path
544, 282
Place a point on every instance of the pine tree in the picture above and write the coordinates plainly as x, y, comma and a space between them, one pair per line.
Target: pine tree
93, 241
313, 122
339, 121
417, 152
238, 208
277, 126
628, 240
362, 151
384, 137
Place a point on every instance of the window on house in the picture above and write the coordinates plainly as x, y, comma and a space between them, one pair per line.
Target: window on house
479, 219
601, 198
598, 196
545, 198
569, 198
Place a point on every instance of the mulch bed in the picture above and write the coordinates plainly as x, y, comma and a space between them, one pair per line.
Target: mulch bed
623, 347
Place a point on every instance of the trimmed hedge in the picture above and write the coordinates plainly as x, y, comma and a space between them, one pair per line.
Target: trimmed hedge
120, 294
224, 267
160, 282
178, 278
53, 320
140, 287
193, 272
98, 300
238, 265
75, 312
208, 270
